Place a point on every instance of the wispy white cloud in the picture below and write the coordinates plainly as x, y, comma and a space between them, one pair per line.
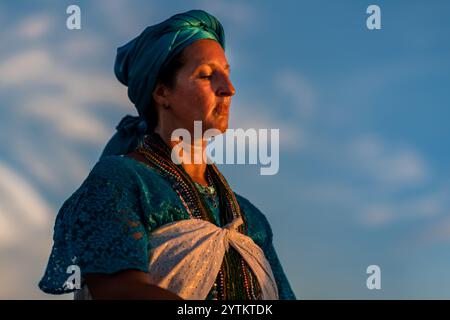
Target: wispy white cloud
83, 46
34, 26
390, 169
69, 121
423, 207
49, 120
30, 65
437, 232
388, 164
62, 119
259, 116
256, 113
299, 89
21, 207
38, 67
65, 109
48, 156
390, 182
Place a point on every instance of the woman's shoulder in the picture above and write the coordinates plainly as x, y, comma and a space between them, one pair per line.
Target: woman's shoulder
117, 164
122, 169
113, 181
107, 184
129, 183
258, 225
112, 167
249, 207
100, 227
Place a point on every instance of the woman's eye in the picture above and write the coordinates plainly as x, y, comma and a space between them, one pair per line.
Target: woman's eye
206, 76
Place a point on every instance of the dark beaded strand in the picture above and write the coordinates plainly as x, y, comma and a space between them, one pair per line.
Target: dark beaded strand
234, 280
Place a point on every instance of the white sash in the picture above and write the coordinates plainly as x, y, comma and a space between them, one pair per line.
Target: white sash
186, 257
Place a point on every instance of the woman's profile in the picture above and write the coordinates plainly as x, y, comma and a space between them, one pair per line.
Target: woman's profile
144, 227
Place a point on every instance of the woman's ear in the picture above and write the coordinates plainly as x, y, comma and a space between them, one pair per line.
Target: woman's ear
160, 95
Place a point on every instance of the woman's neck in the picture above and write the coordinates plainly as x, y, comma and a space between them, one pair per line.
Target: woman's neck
192, 153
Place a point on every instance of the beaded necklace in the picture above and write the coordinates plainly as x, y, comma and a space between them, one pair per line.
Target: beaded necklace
235, 279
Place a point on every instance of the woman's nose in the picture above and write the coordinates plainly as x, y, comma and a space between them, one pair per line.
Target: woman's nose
225, 88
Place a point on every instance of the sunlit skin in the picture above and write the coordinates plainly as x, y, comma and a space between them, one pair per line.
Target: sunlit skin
203, 92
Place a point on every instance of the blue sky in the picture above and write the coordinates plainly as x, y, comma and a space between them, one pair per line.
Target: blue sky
364, 176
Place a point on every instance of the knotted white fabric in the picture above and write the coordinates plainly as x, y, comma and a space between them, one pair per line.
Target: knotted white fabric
186, 257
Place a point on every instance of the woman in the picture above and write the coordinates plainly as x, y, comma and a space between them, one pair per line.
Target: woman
144, 227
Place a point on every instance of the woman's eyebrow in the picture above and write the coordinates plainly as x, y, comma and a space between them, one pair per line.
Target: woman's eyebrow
214, 65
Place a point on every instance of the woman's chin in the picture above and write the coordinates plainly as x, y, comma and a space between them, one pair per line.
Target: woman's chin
220, 123
222, 126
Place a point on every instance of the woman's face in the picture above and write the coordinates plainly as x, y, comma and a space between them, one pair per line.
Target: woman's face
202, 90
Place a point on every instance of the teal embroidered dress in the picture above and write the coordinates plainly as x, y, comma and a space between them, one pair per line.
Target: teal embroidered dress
104, 226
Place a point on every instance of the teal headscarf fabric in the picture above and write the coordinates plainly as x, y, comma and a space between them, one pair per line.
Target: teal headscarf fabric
138, 63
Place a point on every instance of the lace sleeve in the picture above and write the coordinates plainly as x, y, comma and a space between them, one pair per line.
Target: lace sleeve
99, 229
